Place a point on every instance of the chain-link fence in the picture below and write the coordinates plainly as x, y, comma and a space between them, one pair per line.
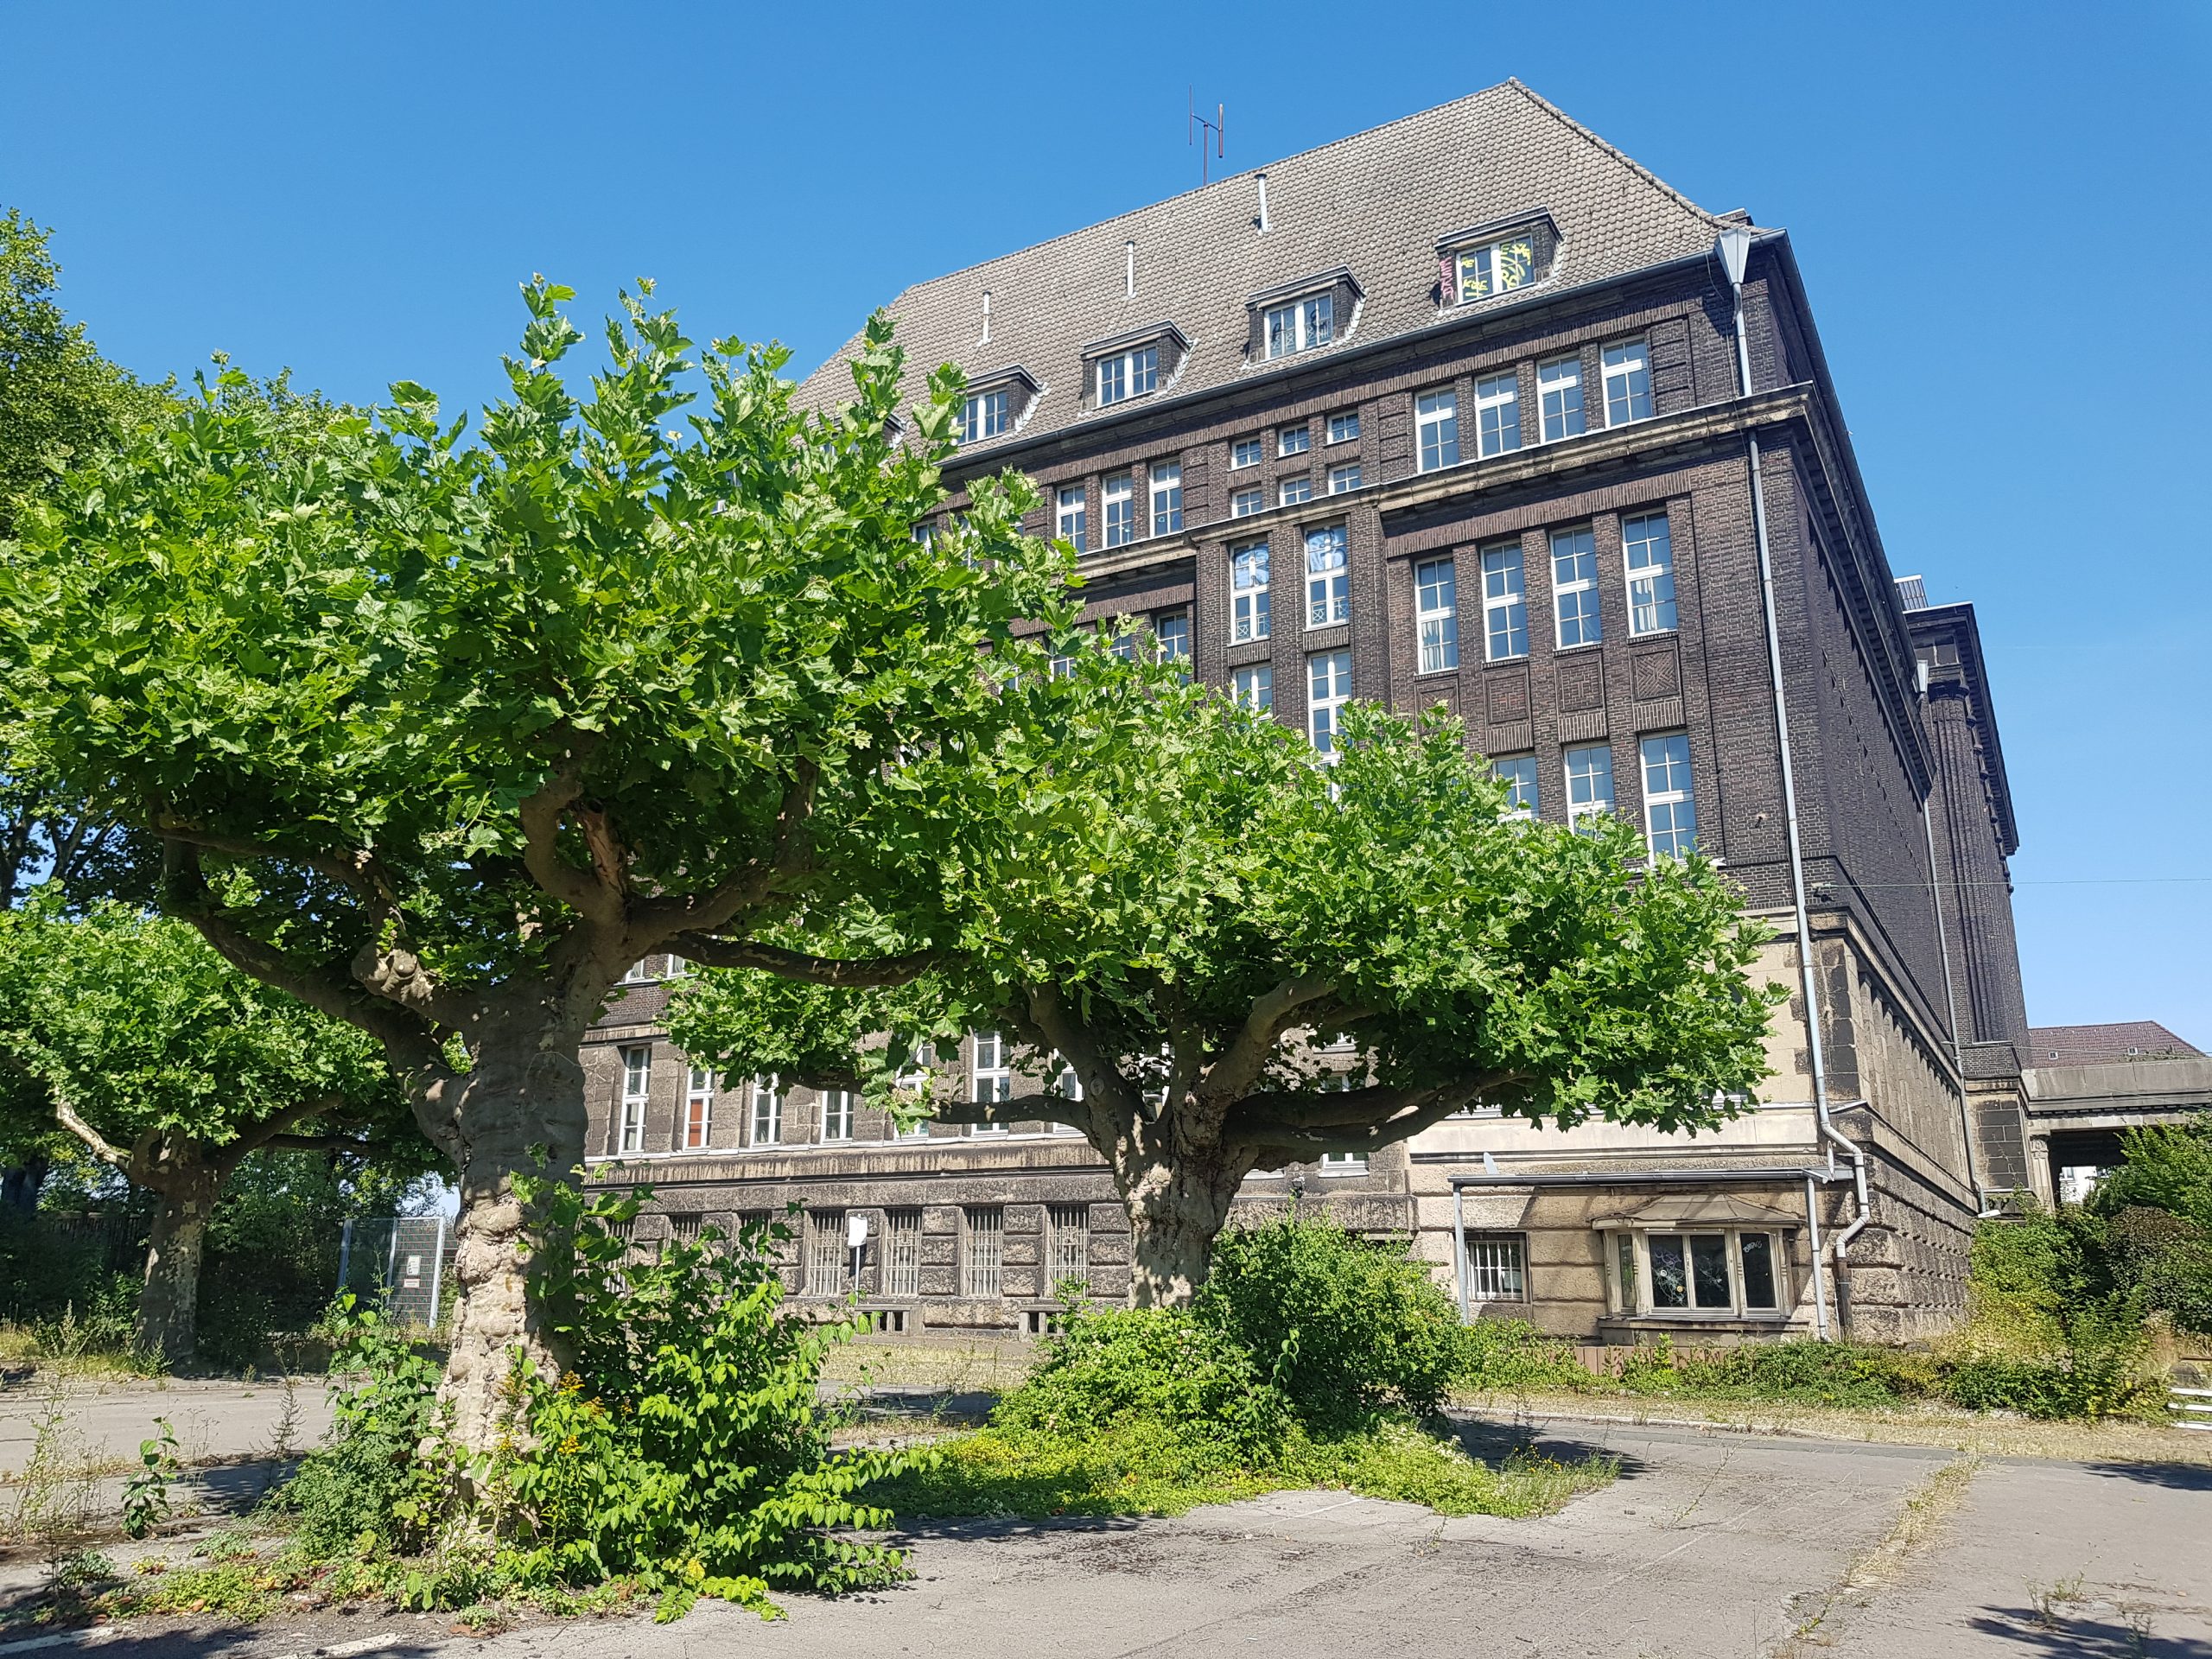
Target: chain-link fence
403, 1261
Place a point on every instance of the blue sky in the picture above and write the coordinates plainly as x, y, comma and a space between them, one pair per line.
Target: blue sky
2001, 214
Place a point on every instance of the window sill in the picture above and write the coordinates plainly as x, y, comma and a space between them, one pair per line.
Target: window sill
1649, 633
1435, 673
1504, 662
1569, 650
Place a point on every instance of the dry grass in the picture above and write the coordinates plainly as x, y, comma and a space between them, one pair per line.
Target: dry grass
1926, 1509
930, 1367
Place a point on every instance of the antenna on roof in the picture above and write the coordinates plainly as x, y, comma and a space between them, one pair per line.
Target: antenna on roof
1209, 146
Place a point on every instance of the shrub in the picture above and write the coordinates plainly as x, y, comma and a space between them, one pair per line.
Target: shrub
2167, 1260
1341, 1324
1513, 1355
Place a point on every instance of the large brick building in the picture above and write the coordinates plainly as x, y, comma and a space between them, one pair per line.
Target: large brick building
1473, 409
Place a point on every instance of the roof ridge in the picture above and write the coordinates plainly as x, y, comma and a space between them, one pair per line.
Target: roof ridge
1612, 149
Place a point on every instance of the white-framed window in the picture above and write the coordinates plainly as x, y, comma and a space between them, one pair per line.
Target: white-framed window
837, 1114
1071, 522
1255, 687
985, 415
1301, 325
825, 1253
1738, 1272
638, 973
1343, 428
1649, 549
1246, 452
1291, 491
902, 1253
989, 1079
1248, 592
1518, 773
1064, 1084
1171, 641
1669, 811
1496, 1267
1436, 420
1245, 503
1436, 609
1067, 1242
1627, 382
637, 1091
1496, 267
677, 968
913, 1080
1505, 604
1498, 412
982, 1250
1559, 398
1117, 504
1124, 644
925, 534
1328, 686
1127, 374
1328, 577
767, 1111
1589, 781
1344, 1163
698, 1108
1574, 588
1166, 497
1293, 441
1344, 478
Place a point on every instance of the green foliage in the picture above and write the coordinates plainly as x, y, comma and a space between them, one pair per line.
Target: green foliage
1343, 1325
146, 1494
1512, 1356
2158, 1211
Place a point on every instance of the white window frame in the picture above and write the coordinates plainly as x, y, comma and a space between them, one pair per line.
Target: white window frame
1436, 430
1062, 1084
767, 1112
638, 974
1328, 585
698, 1126
1293, 441
1436, 614
637, 1094
1631, 1260
989, 1077
1597, 768
983, 1251
1071, 520
1649, 561
1670, 799
836, 1115
1245, 503
1295, 492
1299, 326
1171, 639
1497, 413
1166, 479
1506, 603
1132, 373
1560, 412
1625, 367
1497, 1265
1481, 272
1345, 479
1248, 605
1117, 507
912, 1081
1343, 428
1574, 589
986, 414
1255, 687
1334, 1163
1328, 688
1518, 773
1246, 452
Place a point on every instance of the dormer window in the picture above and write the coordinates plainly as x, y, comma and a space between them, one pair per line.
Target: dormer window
1301, 325
985, 415
1495, 267
1485, 261
1302, 317
1127, 374
1133, 365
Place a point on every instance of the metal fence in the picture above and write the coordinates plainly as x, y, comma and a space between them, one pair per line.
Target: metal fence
404, 1261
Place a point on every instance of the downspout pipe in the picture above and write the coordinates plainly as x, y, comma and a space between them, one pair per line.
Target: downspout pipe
1734, 249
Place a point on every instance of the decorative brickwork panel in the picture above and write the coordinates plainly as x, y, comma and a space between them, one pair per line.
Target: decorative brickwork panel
1507, 692
1656, 673
1582, 684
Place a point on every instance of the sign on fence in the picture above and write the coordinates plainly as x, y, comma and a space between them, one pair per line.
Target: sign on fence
405, 1261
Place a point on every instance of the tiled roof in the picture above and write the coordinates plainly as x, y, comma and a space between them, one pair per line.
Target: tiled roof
2126, 1039
1376, 203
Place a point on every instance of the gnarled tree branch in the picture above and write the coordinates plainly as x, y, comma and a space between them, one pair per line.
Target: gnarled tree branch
712, 952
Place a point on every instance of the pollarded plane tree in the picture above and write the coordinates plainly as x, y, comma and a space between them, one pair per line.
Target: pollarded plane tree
1248, 955
441, 735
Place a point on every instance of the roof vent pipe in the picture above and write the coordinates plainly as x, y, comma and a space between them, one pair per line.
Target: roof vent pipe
1129, 269
987, 317
1261, 179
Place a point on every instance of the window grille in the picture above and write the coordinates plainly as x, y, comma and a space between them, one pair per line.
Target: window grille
825, 1252
982, 1255
902, 1253
1070, 1226
1495, 1267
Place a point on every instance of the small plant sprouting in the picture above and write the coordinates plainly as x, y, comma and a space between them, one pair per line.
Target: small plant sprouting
146, 1496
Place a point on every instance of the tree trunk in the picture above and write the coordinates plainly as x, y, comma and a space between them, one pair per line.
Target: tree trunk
1178, 1206
521, 1114
168, 1301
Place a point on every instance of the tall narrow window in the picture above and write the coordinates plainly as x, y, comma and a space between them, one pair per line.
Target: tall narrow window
698, 1108
1758, 1270
1505, 604
1558, 395
1649, 551
1248, 592
767, 1112
1074, 520
1574, 586
1497, 413
902, 1253
837, 1114
1255, 687
1518, 773
1589, 781
1068, 1240
637, 1089
1436, 608
985, 415
1300, 326
1627, 382
1328, 688
1669, 812
982, 1250
1118, 500
1436, 420
1166, 497
1171, 639
1494, 1269
825, 1253
989, 1077
1328, 581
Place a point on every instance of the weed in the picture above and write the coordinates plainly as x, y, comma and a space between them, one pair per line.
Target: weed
146, 1495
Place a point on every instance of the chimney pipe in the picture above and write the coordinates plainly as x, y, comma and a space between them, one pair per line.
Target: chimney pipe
1261, 179
986, 318
1129, 269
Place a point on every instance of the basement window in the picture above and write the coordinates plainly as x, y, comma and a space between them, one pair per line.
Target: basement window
1660, 1269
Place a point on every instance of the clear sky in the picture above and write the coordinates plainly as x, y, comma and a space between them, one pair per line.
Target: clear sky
2001, 213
